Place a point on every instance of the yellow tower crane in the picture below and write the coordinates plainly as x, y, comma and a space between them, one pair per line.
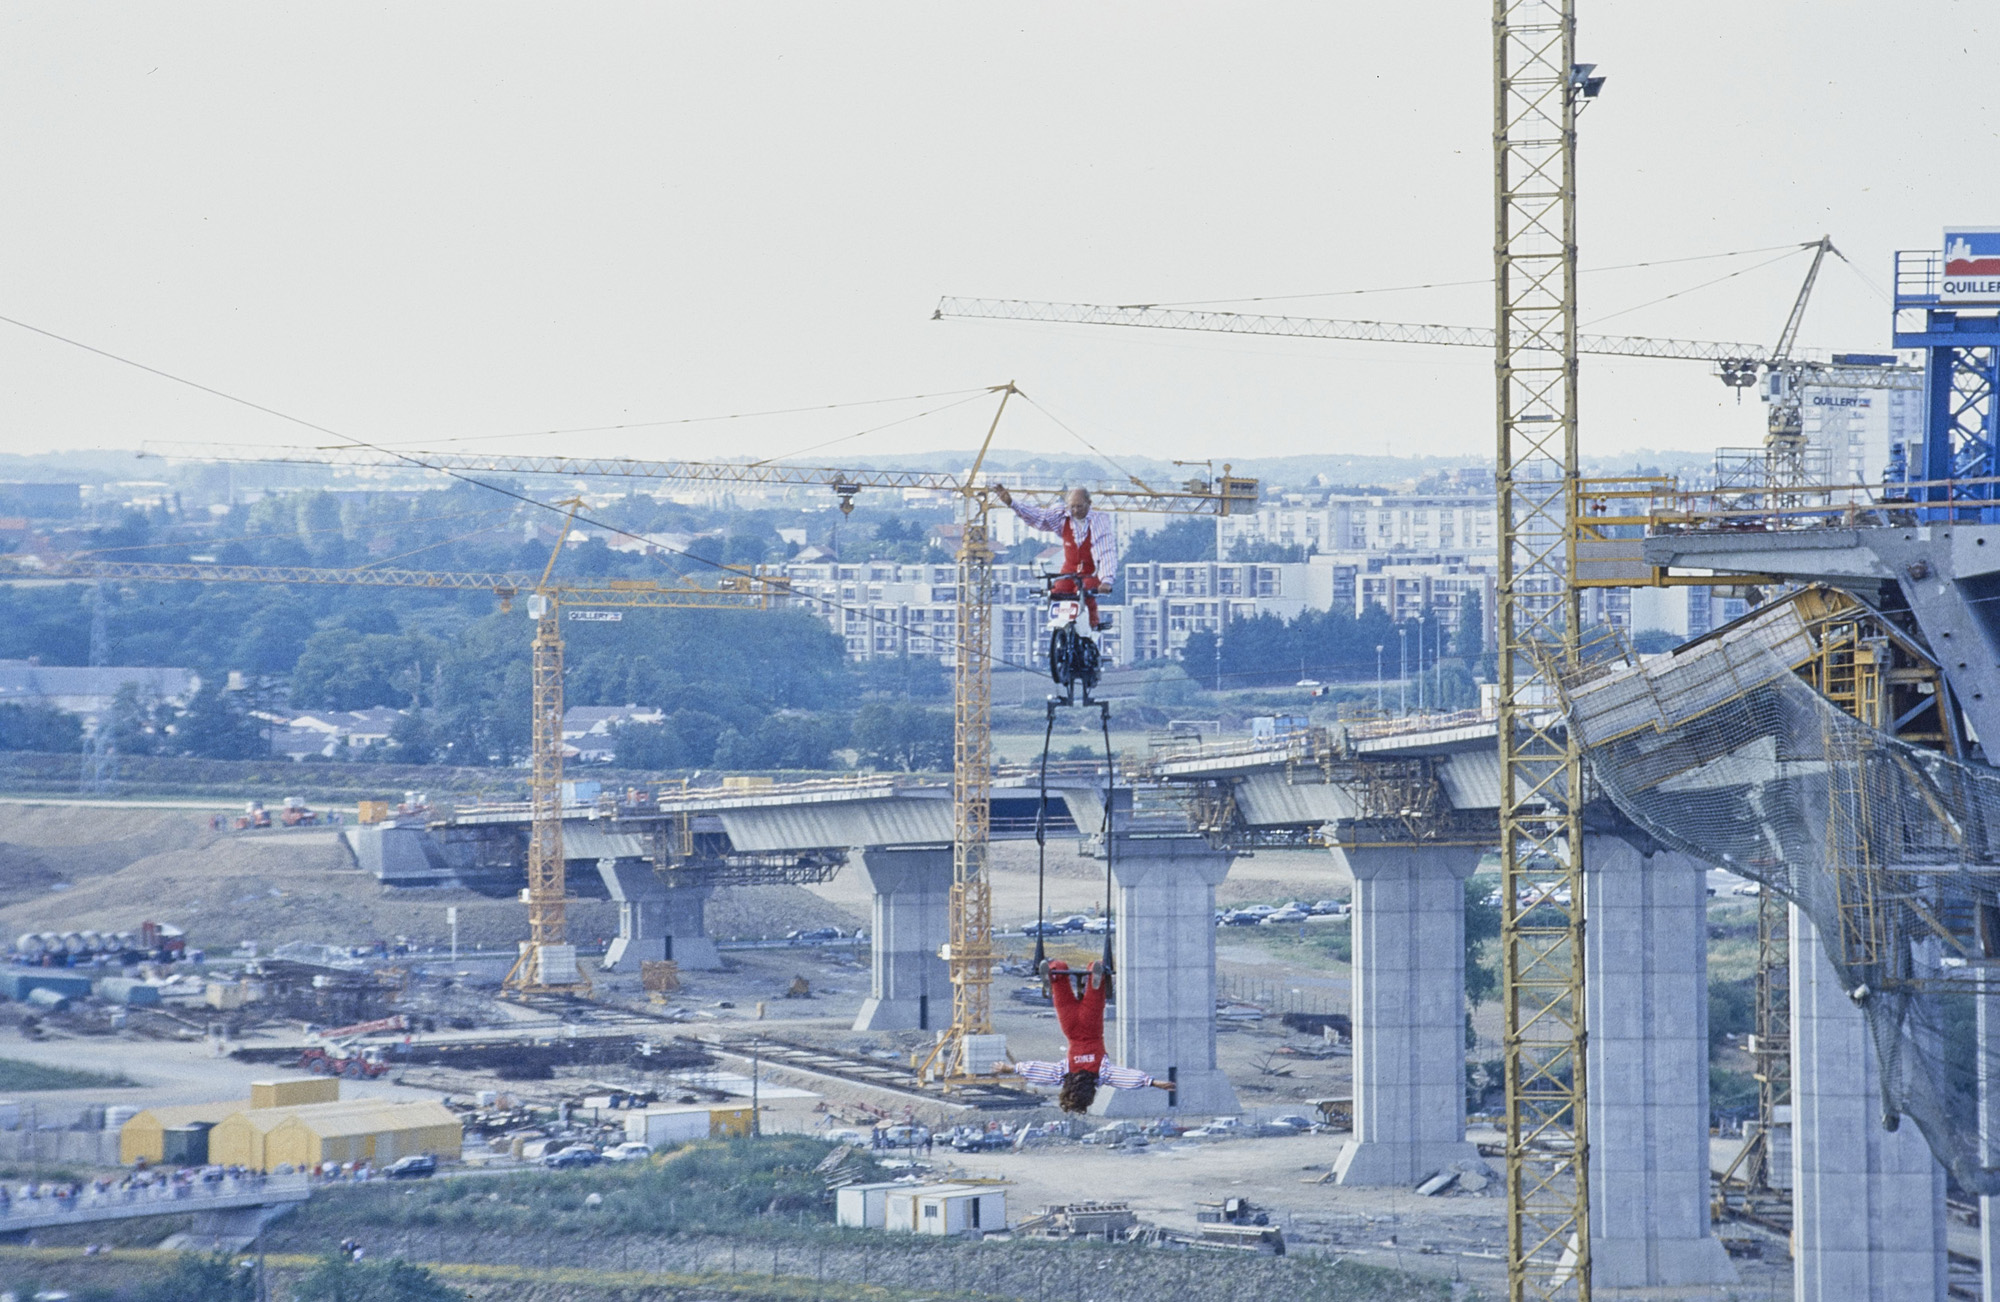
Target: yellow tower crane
968, 953
547, 963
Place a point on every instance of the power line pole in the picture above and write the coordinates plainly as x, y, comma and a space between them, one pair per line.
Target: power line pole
97, 753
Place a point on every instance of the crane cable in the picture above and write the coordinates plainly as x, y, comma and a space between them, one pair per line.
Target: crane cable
418, 463
1042, 857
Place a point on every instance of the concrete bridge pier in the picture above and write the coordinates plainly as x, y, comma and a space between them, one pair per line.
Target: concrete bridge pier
1409, 1012
1868, 1213
910, 987
1646, 969
655, 920
1163, 950
642, 924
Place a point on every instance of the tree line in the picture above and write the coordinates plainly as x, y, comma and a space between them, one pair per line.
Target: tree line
739, 689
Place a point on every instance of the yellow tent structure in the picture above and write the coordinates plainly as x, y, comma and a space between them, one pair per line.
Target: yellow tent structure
369, 1131
144, 1136
377, 1131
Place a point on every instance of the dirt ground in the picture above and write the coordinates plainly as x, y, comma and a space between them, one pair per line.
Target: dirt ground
70, 867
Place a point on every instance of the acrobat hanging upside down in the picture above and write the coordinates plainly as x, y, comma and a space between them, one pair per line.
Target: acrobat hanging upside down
1079, 999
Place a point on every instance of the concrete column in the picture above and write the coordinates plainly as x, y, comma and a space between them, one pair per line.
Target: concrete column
1989, 1135
1164, 952
1645, 959
684, 910
642, 925
910, 987
1868, 1215
1409, 1012
656, 920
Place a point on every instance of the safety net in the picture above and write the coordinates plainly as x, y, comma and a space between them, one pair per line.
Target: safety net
1891, 850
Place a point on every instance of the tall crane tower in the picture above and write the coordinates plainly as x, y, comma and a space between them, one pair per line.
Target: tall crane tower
1538, 88
547, 963
968, 953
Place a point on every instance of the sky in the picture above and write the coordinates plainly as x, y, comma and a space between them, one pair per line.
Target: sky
465, 225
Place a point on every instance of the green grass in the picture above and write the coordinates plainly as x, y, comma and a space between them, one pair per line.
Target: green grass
17, 1076
1732, 942
1324, 945
735, 1186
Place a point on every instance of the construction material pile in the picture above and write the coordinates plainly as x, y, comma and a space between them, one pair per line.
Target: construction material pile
1891, 850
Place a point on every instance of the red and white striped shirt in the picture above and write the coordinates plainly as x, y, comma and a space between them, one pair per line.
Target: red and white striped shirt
1052, 1073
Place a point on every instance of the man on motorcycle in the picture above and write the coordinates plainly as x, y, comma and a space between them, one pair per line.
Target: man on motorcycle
1090, 544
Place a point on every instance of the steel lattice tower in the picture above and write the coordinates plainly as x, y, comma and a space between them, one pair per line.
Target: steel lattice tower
1536, 88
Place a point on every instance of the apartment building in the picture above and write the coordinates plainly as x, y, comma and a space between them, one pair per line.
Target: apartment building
1166, 601
890, 608
1374, 524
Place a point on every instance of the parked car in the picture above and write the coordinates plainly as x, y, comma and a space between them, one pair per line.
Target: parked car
1286, 917
1291, 1121
905, 1136
574, 1155
1098, 926
981, 1141
1219, 1128
629, 1151
1259, 909
417, 1166
1334, 908
1748, 888
1118, 1134
856, 1137
1241, 918
813, 935
1074, 922
1044, 929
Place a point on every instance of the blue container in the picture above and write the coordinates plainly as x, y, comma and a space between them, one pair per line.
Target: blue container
16, 984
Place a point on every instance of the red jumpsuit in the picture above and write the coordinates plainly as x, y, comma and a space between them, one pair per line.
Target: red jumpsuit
1077, 559
1081, 1018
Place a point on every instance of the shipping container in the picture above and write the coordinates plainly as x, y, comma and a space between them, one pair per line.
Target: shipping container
17, 984
292, 1092
681, 1125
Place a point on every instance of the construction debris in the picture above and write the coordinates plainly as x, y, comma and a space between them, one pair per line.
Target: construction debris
1109, 1222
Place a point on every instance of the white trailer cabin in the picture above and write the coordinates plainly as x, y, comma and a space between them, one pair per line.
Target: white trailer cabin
946, 1209
865, 1206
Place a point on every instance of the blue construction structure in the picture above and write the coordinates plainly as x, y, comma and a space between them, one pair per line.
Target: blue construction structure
1947, 303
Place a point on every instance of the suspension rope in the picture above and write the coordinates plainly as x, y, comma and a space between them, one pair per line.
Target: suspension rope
1042, 857
1110, 831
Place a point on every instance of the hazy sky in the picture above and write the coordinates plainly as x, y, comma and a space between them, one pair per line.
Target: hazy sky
424, 221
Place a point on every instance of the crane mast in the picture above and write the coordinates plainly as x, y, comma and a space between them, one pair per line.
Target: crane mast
1538, 86
968, 953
